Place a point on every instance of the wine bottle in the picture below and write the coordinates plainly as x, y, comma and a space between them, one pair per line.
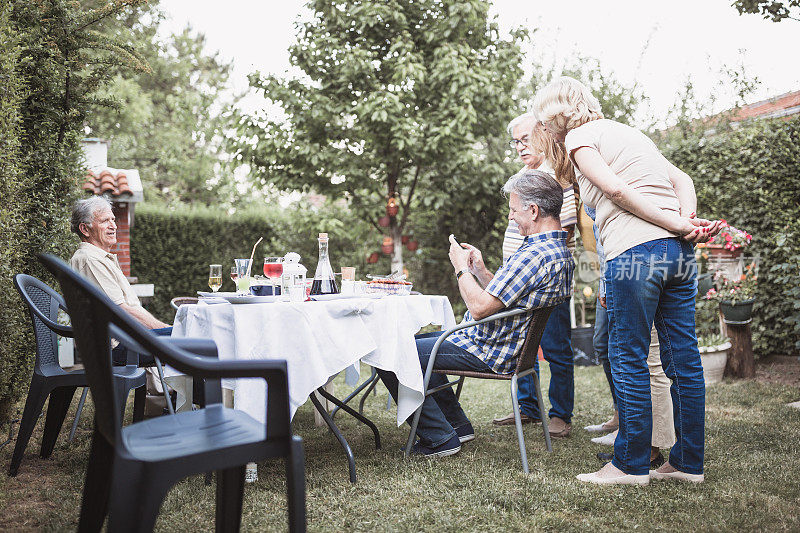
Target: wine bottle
324, 282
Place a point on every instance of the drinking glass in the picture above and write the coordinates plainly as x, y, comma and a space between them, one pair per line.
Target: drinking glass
234, 275
215, 277
273, 268
242, 281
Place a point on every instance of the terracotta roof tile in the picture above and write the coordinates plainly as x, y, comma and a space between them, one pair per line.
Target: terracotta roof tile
779, 106
106, 182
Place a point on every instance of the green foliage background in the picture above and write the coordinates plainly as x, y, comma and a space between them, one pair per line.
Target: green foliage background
51, 65
172, 248
751, 178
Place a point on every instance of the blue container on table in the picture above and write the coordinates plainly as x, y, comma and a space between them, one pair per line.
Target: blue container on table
265, 290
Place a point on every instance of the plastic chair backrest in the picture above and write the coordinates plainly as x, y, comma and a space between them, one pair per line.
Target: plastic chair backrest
91, 312
530, 349
38, 296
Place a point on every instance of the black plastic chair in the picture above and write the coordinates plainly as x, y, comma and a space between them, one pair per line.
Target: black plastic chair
525, 367
49, 379
131, 469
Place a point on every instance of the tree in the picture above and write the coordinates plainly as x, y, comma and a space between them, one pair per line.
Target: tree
52, 63
774, 10
400, 101
170, 120
618, 101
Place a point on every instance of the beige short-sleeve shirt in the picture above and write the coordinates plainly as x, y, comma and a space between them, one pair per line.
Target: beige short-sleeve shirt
635, 159
102, 268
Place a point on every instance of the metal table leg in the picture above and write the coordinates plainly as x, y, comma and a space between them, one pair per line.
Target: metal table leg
351, 462
369, 382
355, 414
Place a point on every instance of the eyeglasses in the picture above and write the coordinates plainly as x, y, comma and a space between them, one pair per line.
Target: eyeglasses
513, 143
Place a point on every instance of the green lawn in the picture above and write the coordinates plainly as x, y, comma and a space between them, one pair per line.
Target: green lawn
752, 472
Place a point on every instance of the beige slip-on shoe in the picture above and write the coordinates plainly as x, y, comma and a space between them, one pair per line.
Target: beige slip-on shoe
606, 440
677, 475
624, 479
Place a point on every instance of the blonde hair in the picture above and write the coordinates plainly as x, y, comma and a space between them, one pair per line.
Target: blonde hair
554, 153
565, 103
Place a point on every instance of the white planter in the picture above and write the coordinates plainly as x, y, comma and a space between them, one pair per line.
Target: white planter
713, 359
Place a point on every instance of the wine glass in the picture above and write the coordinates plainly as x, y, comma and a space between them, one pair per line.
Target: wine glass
273, 269
234, 274
215, 277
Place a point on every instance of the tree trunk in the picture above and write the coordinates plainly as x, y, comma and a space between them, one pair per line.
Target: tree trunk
397, 253
740, 357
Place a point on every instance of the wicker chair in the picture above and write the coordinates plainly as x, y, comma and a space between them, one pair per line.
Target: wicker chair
525, 366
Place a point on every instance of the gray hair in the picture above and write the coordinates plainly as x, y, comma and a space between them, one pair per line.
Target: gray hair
83, 212
525, 117
537, 187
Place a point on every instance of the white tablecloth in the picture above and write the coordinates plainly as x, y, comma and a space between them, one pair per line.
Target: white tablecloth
318, 340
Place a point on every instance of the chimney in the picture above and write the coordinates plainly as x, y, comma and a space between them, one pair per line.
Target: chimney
96, 153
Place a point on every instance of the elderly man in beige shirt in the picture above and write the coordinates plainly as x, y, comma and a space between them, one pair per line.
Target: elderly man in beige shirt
94, 222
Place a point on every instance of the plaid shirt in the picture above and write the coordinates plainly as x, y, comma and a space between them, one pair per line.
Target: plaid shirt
538, 275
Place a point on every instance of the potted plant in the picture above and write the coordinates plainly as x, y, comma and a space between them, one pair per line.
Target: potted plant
728, 243
735, 295
713, 356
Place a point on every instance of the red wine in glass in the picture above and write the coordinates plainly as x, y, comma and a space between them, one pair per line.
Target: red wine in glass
273, 270
324, 286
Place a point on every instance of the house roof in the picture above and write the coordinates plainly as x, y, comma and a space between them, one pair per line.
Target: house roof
779, 106
121, 185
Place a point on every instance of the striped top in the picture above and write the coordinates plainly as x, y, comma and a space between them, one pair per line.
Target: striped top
569, 217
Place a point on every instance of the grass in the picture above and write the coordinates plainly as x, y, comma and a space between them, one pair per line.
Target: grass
752, 472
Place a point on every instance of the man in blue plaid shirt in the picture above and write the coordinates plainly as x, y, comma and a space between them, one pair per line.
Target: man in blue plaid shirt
538, 275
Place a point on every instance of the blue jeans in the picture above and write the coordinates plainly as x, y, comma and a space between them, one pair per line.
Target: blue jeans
655, 282
119, 355
441, 412
556, 345
600, 342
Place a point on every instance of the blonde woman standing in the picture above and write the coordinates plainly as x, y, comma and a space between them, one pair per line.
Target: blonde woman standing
644, 212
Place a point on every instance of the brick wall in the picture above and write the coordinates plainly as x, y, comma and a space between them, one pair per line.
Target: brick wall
123, 246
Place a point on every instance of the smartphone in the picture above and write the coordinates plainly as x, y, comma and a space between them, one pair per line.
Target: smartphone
452, 238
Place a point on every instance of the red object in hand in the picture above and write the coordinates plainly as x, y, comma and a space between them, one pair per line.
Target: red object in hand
373, 258
412, 246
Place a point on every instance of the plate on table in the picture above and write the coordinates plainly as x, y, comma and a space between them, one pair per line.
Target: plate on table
235, 298
325, 297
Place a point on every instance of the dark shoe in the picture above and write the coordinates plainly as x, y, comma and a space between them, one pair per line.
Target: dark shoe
508, 420
465, 433
655, 463
450, 447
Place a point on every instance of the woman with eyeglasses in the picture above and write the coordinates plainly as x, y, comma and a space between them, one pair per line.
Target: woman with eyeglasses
645, 213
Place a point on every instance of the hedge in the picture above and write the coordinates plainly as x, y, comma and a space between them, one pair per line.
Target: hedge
751, 178
172, 248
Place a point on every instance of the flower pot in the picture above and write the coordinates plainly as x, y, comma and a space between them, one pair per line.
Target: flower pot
412, 246
738, 312
713, 359
704, 283
718, 251
384, 222
583, 346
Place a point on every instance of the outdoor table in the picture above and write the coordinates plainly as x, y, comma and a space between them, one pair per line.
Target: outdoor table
318, 339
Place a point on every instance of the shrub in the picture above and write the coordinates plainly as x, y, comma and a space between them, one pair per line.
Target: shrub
751, 177
172, 248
